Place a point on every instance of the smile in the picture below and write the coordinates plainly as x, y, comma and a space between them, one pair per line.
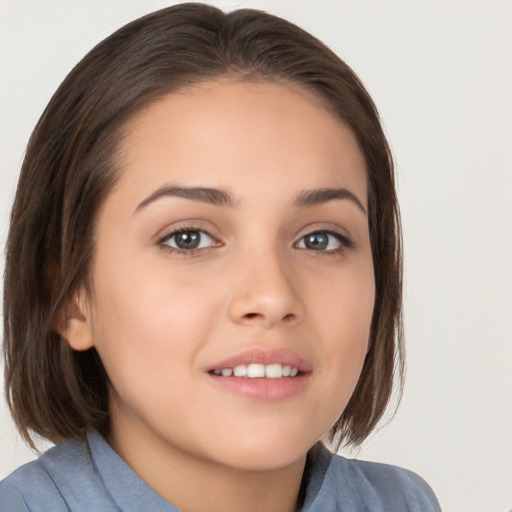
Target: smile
262, 374
257, 370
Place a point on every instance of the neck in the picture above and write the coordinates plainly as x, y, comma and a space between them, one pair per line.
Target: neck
195, 484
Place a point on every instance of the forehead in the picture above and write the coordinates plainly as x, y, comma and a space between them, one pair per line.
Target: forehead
239, 134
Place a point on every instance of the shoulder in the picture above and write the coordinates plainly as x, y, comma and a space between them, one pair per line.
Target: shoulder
354, 485
55, 482
30, 488
392, 484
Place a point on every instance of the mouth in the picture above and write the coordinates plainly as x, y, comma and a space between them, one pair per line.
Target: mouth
262, 374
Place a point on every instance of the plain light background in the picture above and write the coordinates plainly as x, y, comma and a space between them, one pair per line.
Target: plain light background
441, 74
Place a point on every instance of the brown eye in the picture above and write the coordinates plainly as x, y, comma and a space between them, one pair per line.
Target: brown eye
188, 240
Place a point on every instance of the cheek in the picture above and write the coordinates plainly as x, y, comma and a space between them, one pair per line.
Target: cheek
343, 316
344, 305
151, 323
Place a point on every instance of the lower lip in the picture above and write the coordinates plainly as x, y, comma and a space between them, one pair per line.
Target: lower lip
263, 389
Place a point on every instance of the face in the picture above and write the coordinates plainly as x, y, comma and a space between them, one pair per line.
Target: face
232, 278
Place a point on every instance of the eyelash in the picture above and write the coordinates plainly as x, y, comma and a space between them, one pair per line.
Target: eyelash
345, 242
162, 242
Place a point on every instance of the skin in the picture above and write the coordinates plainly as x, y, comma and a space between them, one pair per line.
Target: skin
159, 319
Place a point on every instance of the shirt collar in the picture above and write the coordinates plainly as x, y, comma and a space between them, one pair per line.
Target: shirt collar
127, 489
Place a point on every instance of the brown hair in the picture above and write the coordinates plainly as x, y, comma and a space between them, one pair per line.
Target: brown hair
69, 169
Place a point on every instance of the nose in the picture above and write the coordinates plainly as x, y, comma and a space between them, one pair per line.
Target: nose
265, 292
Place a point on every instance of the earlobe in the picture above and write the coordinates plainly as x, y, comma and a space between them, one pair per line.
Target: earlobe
74, 324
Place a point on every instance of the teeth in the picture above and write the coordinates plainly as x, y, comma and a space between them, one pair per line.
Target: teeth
240, 370
256, 370
274, 371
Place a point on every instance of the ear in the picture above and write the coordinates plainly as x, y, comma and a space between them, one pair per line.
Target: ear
74, 322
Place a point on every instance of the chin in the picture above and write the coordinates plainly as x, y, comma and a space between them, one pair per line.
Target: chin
263, 452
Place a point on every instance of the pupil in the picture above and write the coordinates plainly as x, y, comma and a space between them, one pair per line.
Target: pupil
316, 241
188, 239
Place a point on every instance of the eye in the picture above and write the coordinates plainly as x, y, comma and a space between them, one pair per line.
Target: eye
328, 241
187, 240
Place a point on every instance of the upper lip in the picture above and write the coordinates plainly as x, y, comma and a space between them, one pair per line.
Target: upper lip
282, 356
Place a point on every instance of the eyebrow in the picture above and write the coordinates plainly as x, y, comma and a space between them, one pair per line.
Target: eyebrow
310, 198
219, 197
208, 195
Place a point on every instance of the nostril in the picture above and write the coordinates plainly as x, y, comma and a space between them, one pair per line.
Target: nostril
251, 316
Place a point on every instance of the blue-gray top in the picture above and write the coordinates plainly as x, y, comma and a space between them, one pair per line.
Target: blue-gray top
88, 476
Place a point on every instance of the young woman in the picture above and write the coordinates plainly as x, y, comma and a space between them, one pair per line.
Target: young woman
203, 277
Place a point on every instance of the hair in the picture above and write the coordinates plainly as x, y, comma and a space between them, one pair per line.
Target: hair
69, 169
